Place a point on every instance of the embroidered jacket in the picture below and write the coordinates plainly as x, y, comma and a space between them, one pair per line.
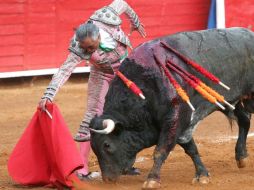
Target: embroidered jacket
112, 49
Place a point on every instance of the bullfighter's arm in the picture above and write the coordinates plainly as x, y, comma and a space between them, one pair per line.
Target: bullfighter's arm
61, 76
120, 6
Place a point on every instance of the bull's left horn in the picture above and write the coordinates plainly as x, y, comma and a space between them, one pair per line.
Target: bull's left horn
109, 125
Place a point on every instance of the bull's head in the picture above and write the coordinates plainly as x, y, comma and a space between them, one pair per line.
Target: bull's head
115, 146
110, 146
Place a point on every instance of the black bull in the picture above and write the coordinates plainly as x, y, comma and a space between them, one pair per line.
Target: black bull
163, 119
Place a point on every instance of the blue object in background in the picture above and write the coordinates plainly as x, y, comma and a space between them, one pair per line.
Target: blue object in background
212, 15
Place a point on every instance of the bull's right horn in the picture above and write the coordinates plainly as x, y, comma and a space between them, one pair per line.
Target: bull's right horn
109, 125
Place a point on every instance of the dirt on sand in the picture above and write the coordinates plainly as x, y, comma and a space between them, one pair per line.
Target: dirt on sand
214, 138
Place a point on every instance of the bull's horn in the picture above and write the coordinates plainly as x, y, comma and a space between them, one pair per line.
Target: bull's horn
109, 125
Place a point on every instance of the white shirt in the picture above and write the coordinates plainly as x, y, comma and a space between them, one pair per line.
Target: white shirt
107, 40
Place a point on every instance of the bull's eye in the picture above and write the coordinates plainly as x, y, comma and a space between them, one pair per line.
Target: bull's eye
106, 145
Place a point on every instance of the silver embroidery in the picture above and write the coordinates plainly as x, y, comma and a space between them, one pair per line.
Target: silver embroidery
106, 15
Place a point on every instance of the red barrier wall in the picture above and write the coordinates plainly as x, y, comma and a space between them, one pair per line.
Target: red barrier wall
239, 13
35, 34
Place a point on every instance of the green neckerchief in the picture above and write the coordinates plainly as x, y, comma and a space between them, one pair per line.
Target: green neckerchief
104, 48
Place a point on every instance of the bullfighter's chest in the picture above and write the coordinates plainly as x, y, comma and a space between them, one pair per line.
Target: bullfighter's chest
102, 57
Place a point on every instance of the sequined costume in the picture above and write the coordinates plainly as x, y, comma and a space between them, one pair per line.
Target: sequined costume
104, 62
106, 59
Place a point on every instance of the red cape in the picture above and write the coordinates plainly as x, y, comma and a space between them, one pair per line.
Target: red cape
46, 153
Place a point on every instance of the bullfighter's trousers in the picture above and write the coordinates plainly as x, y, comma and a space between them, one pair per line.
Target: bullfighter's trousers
98, 85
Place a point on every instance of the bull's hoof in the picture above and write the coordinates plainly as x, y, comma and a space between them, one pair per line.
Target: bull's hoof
241, 163
151, 184
202, 180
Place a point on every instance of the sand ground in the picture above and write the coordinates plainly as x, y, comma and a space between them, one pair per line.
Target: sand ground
214, 137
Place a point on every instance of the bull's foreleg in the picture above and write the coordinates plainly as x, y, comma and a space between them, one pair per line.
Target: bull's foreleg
153, 180
243, 120
160, 155
166, 143
202, 174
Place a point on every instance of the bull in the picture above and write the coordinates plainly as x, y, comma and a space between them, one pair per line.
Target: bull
129, 124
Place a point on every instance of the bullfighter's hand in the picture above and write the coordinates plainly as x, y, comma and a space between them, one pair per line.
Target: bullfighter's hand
140, 29
43, 102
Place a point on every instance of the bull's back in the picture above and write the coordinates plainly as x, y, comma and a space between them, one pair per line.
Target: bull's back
227, 53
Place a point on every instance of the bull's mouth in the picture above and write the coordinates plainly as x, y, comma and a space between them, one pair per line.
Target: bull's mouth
111, 179
111, 175
114, 176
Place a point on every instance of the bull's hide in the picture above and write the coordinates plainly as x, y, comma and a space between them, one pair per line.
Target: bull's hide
163, 119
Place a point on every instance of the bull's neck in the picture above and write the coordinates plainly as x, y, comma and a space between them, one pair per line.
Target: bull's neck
139, 131
140, 140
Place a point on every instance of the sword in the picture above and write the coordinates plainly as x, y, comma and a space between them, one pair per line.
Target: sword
50, 116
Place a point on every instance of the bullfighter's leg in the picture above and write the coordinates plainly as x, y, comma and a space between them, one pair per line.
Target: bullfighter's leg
202, 174
98, 85
243, 120
166, 143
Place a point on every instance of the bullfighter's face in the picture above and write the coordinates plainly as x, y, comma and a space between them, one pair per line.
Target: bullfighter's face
113, 151
89, 44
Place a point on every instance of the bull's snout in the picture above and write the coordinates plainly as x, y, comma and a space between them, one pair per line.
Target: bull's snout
109, 179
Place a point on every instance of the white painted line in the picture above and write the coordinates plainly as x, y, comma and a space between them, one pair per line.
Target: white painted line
40, 72
229, 138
